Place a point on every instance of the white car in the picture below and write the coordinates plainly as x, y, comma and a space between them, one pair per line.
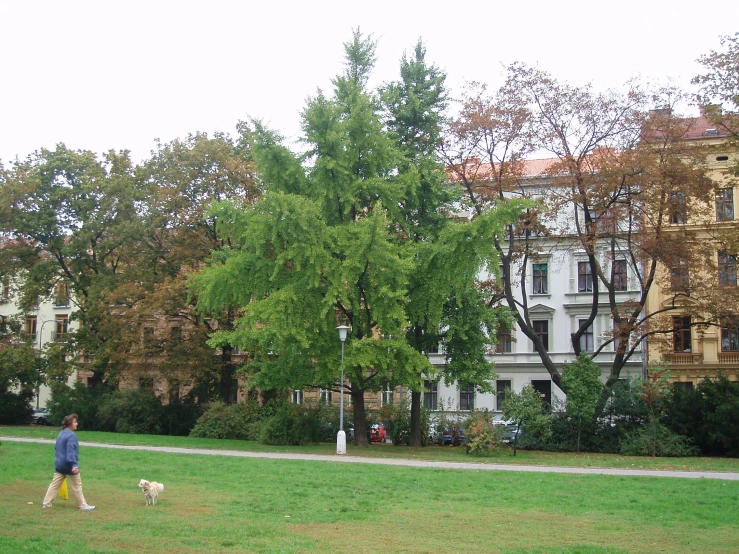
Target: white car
40, 416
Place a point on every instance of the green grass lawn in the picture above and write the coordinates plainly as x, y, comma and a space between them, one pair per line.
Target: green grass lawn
222, 504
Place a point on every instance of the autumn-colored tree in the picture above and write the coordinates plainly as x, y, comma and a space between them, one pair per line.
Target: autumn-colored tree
615, 176
161, 329
719, 86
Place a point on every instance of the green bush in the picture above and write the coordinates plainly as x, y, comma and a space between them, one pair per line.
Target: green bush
397, 421
14, 408
668, 443
293, 424
132, 411
709, 415
234, 421
179, 417
78, 400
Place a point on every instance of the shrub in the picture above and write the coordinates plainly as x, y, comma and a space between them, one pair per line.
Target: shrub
483, 437
179, 417
397, 421
709, 415
132, 411
78, 400
234, 421
668, 443
292, 424
14, 408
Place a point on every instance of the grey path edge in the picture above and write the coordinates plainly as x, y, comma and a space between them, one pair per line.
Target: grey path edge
407, 463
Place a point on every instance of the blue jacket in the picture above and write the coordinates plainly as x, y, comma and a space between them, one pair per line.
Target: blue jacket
67, 452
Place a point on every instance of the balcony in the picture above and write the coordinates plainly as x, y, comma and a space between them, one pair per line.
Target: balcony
728, 357
685, 358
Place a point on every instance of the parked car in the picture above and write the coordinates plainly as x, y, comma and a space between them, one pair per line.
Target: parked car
449, 436
511, 432
40, 416
377, 433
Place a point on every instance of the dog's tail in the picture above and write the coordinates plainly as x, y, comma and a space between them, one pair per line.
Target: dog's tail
160, 487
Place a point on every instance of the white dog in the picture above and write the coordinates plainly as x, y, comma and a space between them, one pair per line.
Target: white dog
151, 490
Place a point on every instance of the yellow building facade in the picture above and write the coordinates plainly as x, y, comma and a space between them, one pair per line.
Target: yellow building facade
703, 337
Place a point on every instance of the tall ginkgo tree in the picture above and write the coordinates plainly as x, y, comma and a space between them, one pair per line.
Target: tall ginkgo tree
328, 245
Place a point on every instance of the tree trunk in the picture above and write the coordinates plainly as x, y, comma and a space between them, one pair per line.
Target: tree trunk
227, 389
415, 438
360, 422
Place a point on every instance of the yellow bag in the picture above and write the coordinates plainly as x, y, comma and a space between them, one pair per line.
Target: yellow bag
63, 491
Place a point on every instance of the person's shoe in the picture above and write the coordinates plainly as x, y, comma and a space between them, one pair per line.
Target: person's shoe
87, 508
46, 506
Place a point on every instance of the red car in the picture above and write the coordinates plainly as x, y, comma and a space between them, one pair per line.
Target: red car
377, 433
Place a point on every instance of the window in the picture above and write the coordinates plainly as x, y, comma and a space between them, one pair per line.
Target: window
61, 294
466, 396
386, 397
678, 208
726, 269
584, 277
148, 336
541, 328
146, 384
175, 335
680, 275
501, 387
540, 279
544, 388
430, 394
725, 205
62, 327
504, 341
681, 334
3, 324
730, 336
620, 277
30, 328
326, 396
297, 397
586, 339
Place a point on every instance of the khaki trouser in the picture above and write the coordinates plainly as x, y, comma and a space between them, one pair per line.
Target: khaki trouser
75, 487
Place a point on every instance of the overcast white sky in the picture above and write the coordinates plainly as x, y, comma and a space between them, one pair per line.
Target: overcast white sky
117, 74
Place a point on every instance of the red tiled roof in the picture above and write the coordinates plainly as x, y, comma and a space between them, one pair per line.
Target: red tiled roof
700, 128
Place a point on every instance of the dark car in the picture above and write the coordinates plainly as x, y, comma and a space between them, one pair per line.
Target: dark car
40, 416
511, 432
449, 436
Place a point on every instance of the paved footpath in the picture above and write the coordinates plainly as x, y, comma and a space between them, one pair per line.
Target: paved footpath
479, 466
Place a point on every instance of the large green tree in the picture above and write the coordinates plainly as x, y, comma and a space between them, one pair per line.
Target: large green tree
70, 218
442, 302
329, 244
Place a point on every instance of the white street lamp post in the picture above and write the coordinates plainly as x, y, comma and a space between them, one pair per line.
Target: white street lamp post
38, 385
341, 436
